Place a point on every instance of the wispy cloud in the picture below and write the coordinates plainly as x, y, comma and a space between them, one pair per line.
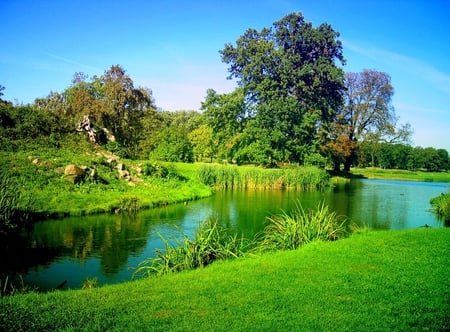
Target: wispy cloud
412, 66
73, 62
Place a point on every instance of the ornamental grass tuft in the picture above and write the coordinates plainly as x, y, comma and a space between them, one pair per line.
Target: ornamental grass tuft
211, 242
291, 231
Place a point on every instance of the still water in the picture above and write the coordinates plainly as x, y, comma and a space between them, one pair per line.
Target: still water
109, 247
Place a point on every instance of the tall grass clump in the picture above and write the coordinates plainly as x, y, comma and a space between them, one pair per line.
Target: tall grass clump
15, 204
441, 205
11, 284
246, 177
291, 231
211, 242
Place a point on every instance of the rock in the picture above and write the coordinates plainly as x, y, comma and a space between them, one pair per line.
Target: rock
110, 137
125, 175
74, 173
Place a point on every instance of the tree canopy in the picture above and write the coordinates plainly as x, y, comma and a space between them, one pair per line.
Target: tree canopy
292, 85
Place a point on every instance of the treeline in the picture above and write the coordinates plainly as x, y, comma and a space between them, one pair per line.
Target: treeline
294, 104
401, 156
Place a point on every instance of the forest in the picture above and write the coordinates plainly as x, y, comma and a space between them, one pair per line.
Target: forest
293, 105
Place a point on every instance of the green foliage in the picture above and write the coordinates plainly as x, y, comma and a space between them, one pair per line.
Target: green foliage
16, 205
292, 88
401, 156
172, 145
203, 144
441, 205
300, 227
211, 242
155, 169
130, 205
243, 177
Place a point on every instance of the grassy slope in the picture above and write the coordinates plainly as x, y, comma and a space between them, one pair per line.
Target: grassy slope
43, 173
376, 281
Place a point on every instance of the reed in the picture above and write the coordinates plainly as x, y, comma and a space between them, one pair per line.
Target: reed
15, 204
441, 205
233, 177
211, 242
290, 231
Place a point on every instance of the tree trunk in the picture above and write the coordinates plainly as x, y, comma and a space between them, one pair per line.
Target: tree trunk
348, 163
337, 166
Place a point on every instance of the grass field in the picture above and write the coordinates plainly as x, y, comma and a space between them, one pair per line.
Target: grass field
399, 174
373, 281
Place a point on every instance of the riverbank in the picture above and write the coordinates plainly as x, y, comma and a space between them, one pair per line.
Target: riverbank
68, 183
399, 174
390, 281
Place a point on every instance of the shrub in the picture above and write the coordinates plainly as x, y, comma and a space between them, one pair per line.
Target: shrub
154, 169
130, 204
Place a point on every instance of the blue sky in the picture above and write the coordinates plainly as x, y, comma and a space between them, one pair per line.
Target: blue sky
172, 47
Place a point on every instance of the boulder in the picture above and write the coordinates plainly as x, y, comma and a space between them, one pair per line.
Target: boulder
74, 173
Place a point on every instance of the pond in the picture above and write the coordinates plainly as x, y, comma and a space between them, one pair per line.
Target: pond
108, 247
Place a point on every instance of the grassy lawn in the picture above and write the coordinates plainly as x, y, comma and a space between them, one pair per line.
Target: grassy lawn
375, 281
399, 174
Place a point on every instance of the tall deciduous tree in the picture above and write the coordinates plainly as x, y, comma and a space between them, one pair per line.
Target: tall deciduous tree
291, 82
367, 114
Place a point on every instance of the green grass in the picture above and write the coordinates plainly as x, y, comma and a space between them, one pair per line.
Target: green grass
374, 281
398, 174
53, 195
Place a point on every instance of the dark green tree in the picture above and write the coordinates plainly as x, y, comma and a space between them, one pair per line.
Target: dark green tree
226, 115
172, 145
291, 83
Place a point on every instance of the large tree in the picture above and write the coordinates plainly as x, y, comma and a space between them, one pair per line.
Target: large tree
367, 115
291, 82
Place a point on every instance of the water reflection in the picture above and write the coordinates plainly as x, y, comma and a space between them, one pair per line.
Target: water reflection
109, 246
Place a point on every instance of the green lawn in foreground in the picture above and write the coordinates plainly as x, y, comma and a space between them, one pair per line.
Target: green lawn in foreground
375, 281
399, 174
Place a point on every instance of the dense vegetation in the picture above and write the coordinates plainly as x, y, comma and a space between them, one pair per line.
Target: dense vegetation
294, 104
103, 146
375, 281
